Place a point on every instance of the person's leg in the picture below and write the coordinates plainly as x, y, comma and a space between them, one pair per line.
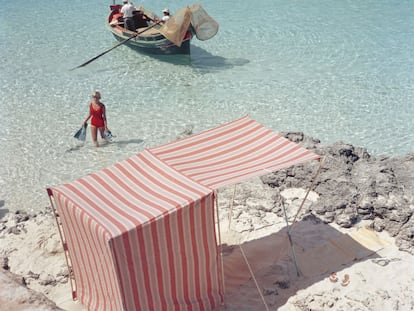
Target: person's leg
101, 131
94, 133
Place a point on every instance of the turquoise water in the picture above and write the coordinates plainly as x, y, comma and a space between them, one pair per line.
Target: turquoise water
335, 70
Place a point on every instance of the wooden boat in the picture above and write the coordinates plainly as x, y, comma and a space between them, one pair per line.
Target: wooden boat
153, 36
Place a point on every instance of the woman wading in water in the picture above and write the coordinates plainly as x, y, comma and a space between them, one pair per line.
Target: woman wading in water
98, 114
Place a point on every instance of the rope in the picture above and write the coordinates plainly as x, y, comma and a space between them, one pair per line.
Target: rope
290, 228
307, 193
254, 279
232, 204
290, 240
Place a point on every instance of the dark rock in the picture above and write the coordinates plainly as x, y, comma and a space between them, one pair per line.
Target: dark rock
14, 230
33, 275
5, 263
353, 186
48, 280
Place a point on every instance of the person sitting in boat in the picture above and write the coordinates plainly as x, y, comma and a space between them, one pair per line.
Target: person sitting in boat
140, 19
166, 16
163, 19
127, 11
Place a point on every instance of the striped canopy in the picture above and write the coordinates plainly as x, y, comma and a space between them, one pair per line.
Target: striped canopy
140, 235
231, 153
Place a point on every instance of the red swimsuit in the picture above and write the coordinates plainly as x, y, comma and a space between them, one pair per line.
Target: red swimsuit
97, 116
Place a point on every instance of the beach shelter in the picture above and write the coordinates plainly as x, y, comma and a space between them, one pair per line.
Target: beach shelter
140, 235
232, 153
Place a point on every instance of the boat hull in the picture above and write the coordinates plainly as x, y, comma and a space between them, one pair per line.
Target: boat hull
147, 39
162, 47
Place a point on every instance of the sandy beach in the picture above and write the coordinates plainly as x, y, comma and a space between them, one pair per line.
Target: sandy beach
380, 276
350, 246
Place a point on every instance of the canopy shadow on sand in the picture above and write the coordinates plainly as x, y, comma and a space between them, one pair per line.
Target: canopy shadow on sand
319, 249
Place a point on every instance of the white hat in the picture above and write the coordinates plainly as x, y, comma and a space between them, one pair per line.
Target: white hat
166, 10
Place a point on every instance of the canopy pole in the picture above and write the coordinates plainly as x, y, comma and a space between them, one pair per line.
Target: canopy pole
290, 239
231, 205
289, 228
64, 244
254, 278
221, 246
307, 193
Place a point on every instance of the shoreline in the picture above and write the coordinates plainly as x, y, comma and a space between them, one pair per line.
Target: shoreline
353, 192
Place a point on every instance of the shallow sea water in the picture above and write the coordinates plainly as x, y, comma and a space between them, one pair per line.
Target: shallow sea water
335, 70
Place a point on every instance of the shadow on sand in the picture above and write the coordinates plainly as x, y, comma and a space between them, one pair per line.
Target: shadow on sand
319, 250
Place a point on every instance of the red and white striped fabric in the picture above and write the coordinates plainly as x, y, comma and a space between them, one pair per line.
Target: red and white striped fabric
231, 153
141, 236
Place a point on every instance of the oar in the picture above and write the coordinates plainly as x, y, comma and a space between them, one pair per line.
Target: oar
115, 46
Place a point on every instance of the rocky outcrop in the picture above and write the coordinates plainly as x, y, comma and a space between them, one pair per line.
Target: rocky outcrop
353, 186
16, 296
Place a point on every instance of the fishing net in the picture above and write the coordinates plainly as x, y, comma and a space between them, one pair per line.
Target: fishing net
204, 26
